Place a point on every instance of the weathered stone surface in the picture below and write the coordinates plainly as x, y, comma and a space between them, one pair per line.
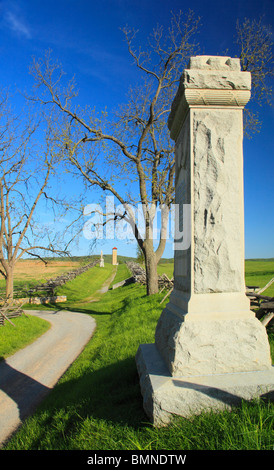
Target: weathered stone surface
226, 80
207, 328
125, 282
209, 62
209, 81
182, 261
211, 346
47, 300
165, 396
218, 206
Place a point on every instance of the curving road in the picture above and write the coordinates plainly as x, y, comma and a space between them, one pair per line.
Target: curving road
28, 375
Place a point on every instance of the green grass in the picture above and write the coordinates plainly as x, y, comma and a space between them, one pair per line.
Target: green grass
166, 268
20, 286
29, 328
84, 288
97, 404
26, 330
122, 274
27, 276
86, 285
259, 273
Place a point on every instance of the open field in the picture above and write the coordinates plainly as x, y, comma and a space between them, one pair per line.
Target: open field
166, 268
29, 269
257, 272
30, 272
97, 404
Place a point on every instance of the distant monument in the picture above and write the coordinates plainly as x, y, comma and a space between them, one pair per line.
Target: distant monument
102, 263
114, 256
210, 350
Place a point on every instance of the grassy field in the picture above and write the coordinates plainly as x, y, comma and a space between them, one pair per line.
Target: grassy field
30, 272
26, 330
97, 404
257, 272
77, 290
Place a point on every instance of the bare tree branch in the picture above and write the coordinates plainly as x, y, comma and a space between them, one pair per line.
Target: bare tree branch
18, 235
134, 144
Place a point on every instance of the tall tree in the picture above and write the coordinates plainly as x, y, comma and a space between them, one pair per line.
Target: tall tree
24, 176
134, 144
255, 50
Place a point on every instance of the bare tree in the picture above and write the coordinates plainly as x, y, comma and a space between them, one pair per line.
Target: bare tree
254, 40
134, 145
25, 172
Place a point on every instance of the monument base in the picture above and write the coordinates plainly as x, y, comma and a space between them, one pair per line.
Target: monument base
194, 344
165, 396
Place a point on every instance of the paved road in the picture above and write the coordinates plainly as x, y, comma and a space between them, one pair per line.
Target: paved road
28, 375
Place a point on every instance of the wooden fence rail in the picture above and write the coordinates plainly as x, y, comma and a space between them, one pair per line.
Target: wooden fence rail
10, 310
263, 303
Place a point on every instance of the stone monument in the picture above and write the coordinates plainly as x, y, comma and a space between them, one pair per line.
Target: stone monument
114, 256
102, 262
210, 350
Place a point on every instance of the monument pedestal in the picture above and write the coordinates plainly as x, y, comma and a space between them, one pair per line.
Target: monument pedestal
166, 395
212, 346
210, 350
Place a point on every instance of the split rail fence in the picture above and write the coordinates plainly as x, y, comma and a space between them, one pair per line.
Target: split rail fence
263, 305
9, 310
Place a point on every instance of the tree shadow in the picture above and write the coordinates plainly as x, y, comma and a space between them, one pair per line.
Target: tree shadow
216, 393
268, 396
55, 308
87, 311
111, 394
25, 391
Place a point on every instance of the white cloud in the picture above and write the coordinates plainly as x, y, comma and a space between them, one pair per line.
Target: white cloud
17, 24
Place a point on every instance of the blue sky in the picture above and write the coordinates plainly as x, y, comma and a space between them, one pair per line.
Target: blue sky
85, 36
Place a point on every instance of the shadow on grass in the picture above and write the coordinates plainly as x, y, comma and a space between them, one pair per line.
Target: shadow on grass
88, 311
25, 391
62, 307
111, 393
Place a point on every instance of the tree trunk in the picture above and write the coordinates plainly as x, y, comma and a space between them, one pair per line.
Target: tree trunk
9, 285
151, 268
152, 258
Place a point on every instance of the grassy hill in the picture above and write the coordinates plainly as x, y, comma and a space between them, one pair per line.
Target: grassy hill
97, 404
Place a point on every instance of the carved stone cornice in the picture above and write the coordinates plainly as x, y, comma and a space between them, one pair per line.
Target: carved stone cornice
210, 81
